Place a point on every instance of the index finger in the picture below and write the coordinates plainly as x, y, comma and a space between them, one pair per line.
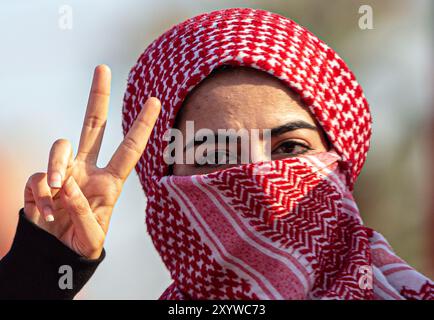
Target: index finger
96, 115
131, 149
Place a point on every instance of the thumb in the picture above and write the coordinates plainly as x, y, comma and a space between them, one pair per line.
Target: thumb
89, 234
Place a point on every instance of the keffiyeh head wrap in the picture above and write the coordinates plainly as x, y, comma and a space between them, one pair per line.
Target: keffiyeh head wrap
292, 231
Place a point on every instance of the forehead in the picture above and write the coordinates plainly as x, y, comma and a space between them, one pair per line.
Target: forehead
241, 98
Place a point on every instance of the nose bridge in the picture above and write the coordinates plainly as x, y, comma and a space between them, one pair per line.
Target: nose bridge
248, 144
257, 153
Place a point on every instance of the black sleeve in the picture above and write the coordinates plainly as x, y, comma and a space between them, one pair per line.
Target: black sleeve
38, 266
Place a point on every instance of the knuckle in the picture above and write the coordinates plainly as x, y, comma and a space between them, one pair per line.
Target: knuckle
100, 93
42, 199
61, 143
94, 122
113, 172
59, 154
131, 144
58, 163
79, 206
36, 177
145, 122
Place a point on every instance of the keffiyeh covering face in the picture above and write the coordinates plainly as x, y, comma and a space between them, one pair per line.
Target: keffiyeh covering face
282, 229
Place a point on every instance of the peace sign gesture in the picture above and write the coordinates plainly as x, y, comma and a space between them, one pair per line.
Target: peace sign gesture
74, 200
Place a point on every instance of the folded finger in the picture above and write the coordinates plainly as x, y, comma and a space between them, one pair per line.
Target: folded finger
89, 232
42, 195
60, 158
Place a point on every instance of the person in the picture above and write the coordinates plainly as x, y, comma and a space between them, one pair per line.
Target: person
277, 222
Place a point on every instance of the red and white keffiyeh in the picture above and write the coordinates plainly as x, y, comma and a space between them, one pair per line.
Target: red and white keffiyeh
282, 229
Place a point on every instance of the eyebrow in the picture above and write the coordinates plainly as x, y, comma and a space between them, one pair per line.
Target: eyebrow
287, 127
292, 126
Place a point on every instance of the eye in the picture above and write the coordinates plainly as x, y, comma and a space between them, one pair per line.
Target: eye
215, 158
292, 148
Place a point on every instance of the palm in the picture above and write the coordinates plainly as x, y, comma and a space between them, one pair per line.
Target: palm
100, 187
101, 191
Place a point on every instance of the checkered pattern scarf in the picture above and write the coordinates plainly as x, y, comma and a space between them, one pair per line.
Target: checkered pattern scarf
282, 229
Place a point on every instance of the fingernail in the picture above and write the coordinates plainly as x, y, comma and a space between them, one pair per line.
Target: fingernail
56, 180
48, 213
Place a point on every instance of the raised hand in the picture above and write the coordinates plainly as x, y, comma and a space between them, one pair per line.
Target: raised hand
74, 199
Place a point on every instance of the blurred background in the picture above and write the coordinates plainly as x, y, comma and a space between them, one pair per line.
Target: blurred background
47, 55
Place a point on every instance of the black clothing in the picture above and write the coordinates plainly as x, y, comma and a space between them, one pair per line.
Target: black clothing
33, 267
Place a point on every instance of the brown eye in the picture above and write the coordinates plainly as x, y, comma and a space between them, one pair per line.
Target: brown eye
291, 148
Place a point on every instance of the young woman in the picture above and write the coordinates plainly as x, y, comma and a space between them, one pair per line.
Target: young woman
281, 225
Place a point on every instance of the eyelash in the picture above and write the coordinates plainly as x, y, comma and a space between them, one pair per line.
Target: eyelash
293, 144
289, 144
